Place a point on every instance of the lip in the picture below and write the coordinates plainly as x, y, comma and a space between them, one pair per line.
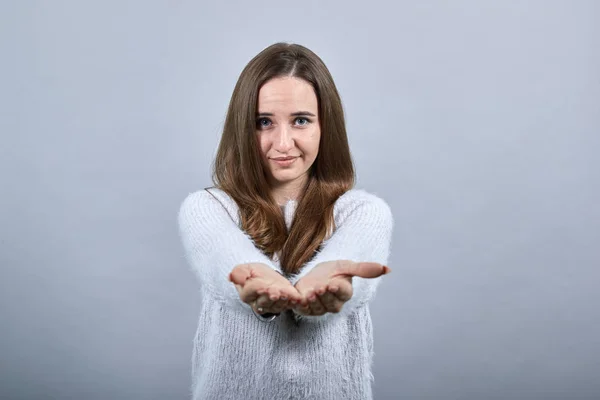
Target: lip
284, 161
283, 158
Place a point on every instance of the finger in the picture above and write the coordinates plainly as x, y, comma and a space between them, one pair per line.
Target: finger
279, 306
273, 293
240, 274
291, 293
265, 303
364, 269
259, 309
239, 288
319, 290
303, 310
303, 300
302, 307
316, 307
342, 289
323, 294
249, 291
329, 301
289, 296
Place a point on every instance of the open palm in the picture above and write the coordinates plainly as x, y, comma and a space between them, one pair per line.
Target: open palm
263, 288
329, 284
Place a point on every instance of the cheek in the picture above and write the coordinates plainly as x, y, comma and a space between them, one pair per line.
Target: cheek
262, 145
313, 144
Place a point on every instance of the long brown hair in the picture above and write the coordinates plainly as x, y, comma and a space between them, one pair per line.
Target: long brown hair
237, 168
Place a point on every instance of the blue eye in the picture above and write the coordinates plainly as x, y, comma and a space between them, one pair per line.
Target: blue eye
305, 119
260, 120
266, 122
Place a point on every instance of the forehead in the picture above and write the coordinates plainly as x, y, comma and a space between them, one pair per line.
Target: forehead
287, 94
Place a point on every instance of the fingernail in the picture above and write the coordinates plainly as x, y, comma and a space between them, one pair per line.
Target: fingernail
284, 298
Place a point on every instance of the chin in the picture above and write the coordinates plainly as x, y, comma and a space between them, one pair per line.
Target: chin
285, 177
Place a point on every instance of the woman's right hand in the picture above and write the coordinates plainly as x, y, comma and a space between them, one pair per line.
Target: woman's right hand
263, 288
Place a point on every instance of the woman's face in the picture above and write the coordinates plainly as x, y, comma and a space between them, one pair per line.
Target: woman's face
287, 126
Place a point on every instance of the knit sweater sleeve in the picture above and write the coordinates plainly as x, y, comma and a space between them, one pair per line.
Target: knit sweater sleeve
363, 233
214, 245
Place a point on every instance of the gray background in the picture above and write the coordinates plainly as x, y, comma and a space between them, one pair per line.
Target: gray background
478, 122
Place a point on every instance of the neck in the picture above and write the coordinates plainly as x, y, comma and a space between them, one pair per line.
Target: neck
288, 191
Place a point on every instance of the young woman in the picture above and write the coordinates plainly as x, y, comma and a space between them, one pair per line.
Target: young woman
287, 252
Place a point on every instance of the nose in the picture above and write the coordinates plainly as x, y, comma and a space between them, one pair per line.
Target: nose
283, 140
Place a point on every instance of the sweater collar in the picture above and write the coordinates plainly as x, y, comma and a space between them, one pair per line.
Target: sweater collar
289, 208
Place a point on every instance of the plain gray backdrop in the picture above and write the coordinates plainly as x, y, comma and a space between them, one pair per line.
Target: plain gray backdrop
477, 121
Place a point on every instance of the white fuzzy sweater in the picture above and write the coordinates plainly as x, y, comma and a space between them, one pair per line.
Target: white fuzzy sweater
236, 356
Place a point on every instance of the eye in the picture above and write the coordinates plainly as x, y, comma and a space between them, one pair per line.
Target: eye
263, 122
307, 121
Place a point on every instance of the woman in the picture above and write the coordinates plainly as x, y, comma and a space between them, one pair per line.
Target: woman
277, 242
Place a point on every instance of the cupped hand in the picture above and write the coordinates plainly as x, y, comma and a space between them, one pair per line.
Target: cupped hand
329, 285
263, 288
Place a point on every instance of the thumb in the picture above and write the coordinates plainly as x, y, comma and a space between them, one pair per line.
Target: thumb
239, 288
240, 274
365, 269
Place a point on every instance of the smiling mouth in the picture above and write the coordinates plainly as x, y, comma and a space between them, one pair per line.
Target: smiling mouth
283, 158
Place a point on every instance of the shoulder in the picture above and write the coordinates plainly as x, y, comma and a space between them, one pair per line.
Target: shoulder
360, 201
206, 196
195, 202
205, 203
362, 212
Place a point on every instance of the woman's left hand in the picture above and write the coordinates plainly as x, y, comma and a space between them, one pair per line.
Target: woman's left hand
329, 285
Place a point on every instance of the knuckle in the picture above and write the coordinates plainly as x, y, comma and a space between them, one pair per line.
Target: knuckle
262, 302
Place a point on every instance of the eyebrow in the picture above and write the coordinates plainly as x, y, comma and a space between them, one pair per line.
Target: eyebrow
298, 113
